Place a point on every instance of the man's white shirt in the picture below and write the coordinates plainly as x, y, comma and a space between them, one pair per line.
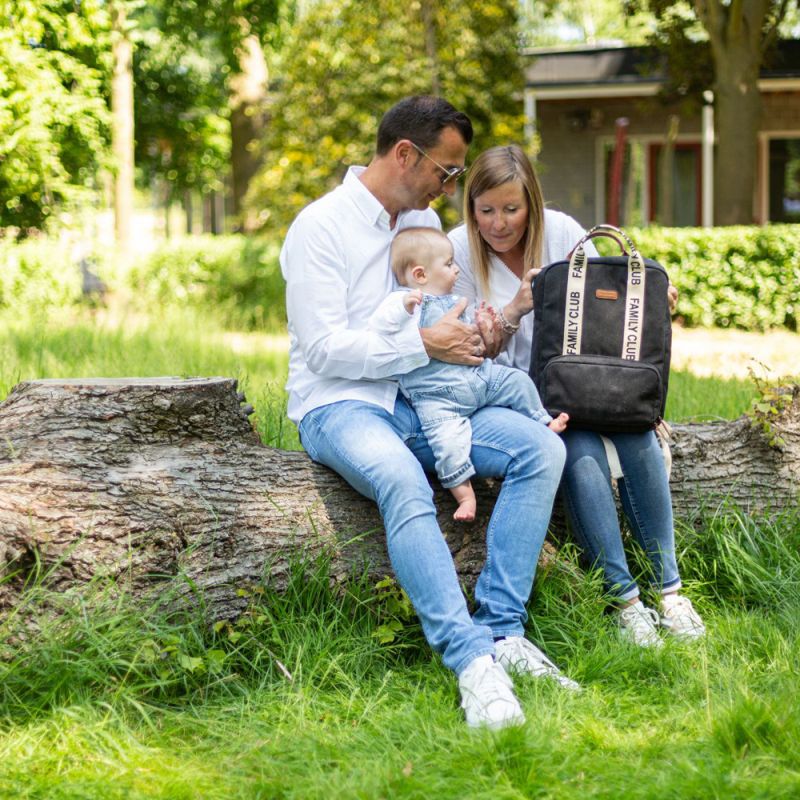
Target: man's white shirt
335, 261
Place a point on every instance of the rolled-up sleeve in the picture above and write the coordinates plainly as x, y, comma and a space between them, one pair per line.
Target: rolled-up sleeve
315, 266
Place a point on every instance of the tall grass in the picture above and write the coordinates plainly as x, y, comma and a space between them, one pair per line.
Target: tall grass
69, 343
704, 399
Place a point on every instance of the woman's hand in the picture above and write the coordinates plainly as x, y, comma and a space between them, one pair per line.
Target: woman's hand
522, 302
672, 298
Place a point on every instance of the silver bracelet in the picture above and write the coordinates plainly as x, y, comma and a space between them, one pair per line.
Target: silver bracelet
507, 326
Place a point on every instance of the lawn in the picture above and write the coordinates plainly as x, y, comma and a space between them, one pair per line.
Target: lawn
300, 699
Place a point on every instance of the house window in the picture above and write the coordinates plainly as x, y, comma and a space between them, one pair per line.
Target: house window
678, 202
784, 180
640, 195
623, 203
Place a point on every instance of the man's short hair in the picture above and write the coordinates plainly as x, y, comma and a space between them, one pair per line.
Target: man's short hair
421, 119
413, 246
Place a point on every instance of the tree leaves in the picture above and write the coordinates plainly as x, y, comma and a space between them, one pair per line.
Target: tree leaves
53, 116
346, 62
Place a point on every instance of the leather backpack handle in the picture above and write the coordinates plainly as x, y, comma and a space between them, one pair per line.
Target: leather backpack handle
610, 232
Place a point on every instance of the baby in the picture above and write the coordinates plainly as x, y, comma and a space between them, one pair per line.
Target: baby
446, 395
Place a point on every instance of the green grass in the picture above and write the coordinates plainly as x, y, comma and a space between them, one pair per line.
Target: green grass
695, 399
75, 344
299, 698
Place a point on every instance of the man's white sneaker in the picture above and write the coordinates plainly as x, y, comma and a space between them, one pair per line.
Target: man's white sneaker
487, 696
639, 625
517, 656
679, 618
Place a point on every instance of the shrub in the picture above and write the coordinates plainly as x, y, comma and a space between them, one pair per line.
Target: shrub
737, 277
35, 275
235, 278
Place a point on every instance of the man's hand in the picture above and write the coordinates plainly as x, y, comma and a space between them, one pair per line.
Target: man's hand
452, 340
411, 299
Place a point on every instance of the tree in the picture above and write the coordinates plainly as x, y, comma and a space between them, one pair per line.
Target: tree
240, 30
740, 35
53, 115
122, 122
182, 128
735, 39
143, 480
564, 22
345, 62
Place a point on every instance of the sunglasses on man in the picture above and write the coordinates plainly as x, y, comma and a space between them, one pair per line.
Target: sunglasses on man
451, 174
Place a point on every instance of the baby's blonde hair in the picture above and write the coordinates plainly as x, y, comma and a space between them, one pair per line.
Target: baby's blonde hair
413, 246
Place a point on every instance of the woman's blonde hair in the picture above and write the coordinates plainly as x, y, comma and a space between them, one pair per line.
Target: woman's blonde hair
492, 168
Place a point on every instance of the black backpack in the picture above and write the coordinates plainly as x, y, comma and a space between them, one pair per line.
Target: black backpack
602, 337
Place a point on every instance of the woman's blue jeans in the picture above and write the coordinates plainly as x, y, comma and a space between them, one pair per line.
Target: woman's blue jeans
384, 456
646, 501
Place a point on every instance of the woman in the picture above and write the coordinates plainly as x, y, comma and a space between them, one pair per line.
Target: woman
507, 237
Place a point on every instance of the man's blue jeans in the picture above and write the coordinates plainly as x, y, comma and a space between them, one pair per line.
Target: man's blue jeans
646, 501
384, 456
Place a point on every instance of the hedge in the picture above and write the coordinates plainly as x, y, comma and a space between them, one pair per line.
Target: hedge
733, 277
234, 278
737, 277
35, 275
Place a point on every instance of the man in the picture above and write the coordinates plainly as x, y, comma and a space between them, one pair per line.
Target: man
346, 404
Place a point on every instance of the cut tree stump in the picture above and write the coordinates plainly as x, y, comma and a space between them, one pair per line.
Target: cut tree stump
143, 480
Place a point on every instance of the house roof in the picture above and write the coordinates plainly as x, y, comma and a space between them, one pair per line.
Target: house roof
629, 70
621, 65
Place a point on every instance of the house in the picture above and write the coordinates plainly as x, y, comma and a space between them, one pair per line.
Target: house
608, 141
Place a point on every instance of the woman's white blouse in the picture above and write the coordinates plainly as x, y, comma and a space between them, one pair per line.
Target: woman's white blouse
561, 234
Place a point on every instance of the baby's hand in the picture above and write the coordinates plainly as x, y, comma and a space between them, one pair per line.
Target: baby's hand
484, 311
489, 327
411, 299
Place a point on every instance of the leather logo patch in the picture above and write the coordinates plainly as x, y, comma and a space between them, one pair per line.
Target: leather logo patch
606, 294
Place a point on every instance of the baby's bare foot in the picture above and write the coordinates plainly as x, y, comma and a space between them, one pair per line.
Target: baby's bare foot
559, 424
465, 511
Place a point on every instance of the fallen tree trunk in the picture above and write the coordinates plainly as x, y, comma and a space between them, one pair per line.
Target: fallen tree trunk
148, 479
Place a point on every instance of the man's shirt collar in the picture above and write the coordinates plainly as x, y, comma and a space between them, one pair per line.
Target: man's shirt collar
364, 200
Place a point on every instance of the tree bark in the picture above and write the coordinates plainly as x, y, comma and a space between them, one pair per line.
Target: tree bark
737, 37
428, 12
143, 480
248, 95
122, 126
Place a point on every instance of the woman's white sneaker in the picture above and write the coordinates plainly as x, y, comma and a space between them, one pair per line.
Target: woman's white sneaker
639, 625
679, 618
487, 696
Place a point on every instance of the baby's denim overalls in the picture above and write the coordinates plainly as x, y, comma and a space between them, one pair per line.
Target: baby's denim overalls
446, 395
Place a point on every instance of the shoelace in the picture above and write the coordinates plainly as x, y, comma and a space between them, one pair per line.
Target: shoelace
682, 607
524, 651
640, 620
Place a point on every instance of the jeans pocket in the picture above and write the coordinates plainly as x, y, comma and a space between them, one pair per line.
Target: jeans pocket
435, 405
